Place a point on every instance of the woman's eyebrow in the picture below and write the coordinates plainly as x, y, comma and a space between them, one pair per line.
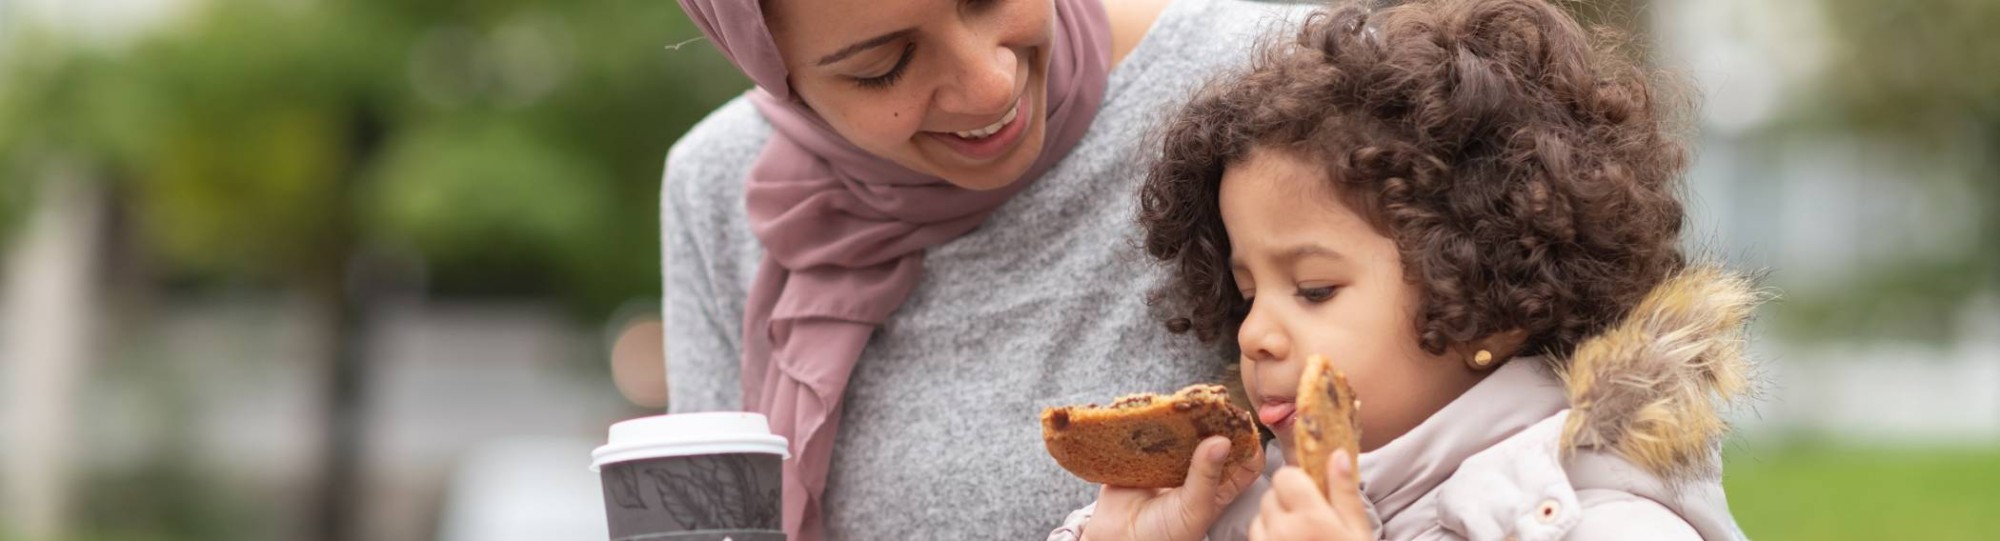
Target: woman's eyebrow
864, 45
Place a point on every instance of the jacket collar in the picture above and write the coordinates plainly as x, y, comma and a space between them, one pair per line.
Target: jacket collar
1515, 396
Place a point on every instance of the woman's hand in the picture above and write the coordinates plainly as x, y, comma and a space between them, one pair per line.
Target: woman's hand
1174, 514
1296, 510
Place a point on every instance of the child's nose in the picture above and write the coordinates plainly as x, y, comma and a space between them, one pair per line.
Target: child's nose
1262, 339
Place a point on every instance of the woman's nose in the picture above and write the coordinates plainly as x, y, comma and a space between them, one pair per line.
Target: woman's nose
1261, 338
988, 73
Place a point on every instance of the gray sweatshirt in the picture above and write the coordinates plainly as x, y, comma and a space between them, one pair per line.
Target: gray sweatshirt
1043, 305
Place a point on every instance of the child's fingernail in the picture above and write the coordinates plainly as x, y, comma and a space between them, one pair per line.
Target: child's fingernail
1341, 464
1216, 453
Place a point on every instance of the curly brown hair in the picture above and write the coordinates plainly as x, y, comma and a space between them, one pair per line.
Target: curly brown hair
1526, 170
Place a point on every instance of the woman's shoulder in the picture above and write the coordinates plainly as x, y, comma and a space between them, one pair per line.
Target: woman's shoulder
1228, 24
709, 162
1194, 39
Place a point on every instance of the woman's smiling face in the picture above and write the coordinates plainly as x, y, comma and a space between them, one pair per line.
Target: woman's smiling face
1322, 280
954, 89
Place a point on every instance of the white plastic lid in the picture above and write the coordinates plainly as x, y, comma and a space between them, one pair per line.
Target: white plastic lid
686, 434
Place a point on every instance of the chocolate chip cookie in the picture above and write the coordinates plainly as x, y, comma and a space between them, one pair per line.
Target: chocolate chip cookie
1146, 440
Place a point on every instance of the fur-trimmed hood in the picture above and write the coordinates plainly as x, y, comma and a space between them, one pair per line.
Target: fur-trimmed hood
1654, 387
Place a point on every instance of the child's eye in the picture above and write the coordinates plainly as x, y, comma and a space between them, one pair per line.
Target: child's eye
1316, 294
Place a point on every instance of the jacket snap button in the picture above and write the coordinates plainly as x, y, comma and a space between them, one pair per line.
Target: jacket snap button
1548, 511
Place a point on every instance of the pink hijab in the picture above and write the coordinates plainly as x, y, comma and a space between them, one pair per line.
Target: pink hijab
844, 233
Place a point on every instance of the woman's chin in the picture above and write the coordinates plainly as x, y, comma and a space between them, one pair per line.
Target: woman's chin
986, 182
993, 176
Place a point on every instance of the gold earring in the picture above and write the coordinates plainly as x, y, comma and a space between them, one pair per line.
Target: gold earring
1482, 360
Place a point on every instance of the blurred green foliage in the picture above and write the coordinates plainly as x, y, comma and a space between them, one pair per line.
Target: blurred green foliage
1919, 76
1914, 69
1831, 492
515, 144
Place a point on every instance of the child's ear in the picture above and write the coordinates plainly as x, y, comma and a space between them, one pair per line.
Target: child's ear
1492, 350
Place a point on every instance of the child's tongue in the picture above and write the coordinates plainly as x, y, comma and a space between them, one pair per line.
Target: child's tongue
1272, 413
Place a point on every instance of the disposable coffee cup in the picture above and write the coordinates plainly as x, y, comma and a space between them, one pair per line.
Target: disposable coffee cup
693, 477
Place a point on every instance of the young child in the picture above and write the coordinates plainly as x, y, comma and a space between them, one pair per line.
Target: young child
1471, 208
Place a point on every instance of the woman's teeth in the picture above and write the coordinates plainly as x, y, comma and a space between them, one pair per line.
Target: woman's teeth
988, 131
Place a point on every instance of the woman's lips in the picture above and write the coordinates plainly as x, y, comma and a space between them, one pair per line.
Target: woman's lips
997, 144
1276, 414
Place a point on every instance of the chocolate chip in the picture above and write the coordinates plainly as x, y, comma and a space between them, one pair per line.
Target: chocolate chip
1152, 438
1133, 401
1209, 425
1060, 419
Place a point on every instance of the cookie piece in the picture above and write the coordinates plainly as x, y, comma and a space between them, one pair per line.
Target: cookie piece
1326, 420
1146, 440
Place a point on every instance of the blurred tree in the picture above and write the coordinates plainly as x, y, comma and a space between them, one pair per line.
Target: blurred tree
51, 114
516, 144
1920, 76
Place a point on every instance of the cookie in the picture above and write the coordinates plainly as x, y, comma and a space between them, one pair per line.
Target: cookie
1325, 419
1146, 440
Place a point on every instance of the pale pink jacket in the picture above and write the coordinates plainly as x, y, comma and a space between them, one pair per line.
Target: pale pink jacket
1625, 447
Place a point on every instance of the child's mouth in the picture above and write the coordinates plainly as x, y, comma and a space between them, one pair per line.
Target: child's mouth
1277, 414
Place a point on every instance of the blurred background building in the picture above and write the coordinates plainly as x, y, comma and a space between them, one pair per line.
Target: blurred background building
365, 270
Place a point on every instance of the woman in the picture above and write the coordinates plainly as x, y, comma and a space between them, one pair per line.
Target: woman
915, 233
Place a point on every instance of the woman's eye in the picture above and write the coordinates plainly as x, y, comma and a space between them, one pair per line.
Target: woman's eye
894, 73
1316, 294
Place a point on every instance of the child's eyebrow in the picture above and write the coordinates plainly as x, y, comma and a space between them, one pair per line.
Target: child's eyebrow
1289, 255
1303, 251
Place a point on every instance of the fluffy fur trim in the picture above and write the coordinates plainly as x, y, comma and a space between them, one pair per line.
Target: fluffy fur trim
1655, 386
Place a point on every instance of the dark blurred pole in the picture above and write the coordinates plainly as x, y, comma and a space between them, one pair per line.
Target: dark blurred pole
343, 369
341, 288
1987, 208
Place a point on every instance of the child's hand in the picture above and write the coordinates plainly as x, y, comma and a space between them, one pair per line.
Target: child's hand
1296, 510
1175, 514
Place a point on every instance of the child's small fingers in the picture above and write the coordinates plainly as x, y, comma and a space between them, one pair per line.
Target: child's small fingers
1293, 489
1243, 474
1205, 472
1269, 507
1258, 529
1345, 489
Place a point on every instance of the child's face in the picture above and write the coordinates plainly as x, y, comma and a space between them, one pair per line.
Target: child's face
1325, 282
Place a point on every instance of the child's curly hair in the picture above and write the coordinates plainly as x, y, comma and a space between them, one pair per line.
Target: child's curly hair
1526, 172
